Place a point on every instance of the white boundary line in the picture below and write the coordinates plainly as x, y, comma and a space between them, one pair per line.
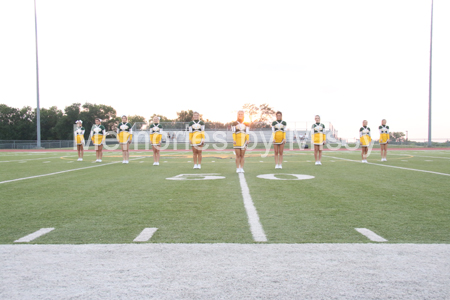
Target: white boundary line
61, 172
34, 235
370, 235
5, 161
389, 166
253, 218
419, 156
145, 235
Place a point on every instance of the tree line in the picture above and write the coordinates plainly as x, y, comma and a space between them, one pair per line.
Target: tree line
56, 124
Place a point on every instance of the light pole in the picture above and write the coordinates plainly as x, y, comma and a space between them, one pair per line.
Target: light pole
429, 83
38, 111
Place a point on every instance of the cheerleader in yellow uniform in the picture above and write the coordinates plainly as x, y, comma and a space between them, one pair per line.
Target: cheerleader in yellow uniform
79, 138
365, 138
279, 139
384, 139
124, 135
98, 135
241, 139
197, 139
319, 138
155, 139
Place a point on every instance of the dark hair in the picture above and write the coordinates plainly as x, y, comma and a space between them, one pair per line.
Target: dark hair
279, 113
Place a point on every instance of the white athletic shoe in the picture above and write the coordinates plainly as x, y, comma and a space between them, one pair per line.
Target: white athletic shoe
280, 167
385, 159
199, 166
157, 163
99, 160
81, 159
242, 170
319, 163
238, 170
195, 166
154, 163
127, 162
276, 166
124, 162
363, 161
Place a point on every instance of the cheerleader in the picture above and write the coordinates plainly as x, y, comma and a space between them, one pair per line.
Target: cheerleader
384, 139
155, 139
279, 139
365, 139
197, 139
98, 135
240, 140
124, 136
79, 137
319, 138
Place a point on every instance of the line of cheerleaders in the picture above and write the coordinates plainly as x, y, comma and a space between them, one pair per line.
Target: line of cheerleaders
241, 139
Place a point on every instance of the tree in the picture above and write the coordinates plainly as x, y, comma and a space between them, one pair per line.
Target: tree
252, 111
162, 118
136, 119
186, 116
105, 112
49, 119
396, 135
65, 125
261, 114
266, 113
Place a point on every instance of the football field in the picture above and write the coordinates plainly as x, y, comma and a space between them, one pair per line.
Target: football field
403, 200
343, 230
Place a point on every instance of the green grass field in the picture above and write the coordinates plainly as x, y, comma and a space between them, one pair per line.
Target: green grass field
111, 202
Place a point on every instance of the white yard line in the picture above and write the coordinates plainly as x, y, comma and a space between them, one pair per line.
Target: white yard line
390, 166
145, 235
34, 235
253, 218
5, 161
419, 156
61, 172
370, 235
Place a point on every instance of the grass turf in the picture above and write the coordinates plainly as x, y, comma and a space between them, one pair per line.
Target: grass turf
114, 203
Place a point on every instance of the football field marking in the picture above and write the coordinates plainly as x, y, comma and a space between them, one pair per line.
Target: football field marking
274, 176
206, 176
5, 161
370, 235
389, 166
34, 235
420, 156
253, 218
60, 172
145, 235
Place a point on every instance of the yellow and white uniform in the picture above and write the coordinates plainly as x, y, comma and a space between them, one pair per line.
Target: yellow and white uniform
155, 134
318, 133
240, 134
98, 134
384, 134
279, 131
79, 135
364, 136
124, 133
196, 132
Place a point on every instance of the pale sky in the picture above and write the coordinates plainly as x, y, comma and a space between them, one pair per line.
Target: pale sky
346, 60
